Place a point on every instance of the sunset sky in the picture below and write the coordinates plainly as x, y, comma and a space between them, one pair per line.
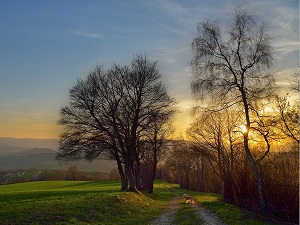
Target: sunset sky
46, 45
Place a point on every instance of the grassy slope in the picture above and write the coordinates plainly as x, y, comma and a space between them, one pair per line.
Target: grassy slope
228, 213
101, 202
66, 202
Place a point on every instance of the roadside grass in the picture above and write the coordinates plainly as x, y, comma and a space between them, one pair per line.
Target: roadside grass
228, 213
79, 202
186, 215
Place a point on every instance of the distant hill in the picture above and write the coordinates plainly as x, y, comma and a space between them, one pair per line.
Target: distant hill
29, 142
7, 149
44, 158
37, 151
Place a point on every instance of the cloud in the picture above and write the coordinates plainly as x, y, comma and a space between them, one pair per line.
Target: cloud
286, 46
171, 29
172, 7
283, 24
174, 10
87, 34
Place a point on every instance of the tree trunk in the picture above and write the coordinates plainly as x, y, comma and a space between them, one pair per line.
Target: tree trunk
138, 176
250, 158
124, 181
151, 174
187, 177
256, 175
130, 175
228, 189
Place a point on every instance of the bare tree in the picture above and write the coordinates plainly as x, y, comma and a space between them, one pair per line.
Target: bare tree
89, 121
229, 67
288, 111
72, 172
289, 118
109, 114
217, 137
154, 145
295, 83
114, 174
180, 161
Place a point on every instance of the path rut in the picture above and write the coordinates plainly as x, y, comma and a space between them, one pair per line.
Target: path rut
202, 213
207, 216
167, 217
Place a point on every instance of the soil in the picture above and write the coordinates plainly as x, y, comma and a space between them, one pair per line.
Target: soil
207, 216
167, 217
202, 213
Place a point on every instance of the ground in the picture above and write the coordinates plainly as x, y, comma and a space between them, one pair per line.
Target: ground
204, 216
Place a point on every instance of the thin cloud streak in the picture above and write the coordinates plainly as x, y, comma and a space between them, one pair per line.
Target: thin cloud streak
93, 35
172, 8
286, 46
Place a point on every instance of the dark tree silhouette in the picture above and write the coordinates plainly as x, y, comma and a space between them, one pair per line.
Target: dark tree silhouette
289, 111
229, 67
217, 137
110, 113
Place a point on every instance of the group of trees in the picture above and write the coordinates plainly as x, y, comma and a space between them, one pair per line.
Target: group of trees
236, 138
214, 160
122, 114
10, 176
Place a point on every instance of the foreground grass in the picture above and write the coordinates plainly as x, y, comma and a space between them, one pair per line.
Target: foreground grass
101, 202
67, 202
228, 213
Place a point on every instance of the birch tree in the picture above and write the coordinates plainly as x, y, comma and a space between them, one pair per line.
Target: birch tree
229, 66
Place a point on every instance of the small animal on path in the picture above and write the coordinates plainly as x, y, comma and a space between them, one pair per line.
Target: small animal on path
188, 199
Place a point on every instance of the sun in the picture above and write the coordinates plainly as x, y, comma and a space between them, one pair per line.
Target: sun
243, 128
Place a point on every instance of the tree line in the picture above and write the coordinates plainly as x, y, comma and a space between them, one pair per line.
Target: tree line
214, 160
244, 137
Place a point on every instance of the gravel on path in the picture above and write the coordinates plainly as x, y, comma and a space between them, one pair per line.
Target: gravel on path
207, 216
202, 213
167, 217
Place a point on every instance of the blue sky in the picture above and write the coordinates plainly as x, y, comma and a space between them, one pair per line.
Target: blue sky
46, 45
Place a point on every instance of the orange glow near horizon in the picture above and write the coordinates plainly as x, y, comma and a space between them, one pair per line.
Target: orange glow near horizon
31, 132
28, 128
52, 131
47, 128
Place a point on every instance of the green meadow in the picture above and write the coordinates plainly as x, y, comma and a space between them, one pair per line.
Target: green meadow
100, 202
78, 202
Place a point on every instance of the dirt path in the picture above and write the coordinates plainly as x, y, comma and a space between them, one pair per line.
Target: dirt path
167, 217
202, 213
206, 216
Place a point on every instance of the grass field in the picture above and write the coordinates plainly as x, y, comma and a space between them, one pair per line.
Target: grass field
101, 202
228, 213
67, 202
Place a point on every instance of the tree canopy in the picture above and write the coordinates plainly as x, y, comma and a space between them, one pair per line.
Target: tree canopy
112, 112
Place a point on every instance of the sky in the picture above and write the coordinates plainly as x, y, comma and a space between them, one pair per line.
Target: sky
46, 45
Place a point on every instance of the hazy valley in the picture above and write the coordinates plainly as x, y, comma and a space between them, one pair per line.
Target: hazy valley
40, 154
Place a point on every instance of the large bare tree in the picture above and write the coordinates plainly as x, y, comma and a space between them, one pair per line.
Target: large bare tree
110, 113
229, 66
